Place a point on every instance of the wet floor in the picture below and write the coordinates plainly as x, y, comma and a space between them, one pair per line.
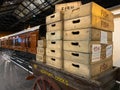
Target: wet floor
12, 77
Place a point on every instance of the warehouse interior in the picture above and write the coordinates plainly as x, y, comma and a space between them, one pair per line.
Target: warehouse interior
18, 16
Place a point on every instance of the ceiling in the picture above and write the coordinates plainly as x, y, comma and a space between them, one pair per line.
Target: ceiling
16, 15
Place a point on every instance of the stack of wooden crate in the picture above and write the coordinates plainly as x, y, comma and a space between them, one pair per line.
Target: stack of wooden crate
54, 40
88, 40
41, 51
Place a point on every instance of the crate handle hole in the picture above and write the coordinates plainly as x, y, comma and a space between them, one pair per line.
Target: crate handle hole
53, 42
75, 65
75, 43
52, 59
76, 21
77, 32
52, 50
52, 16
53, 33
53, 25
75, 54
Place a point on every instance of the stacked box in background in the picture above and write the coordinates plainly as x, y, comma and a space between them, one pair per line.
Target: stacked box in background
54, 40
41, 51
88, 40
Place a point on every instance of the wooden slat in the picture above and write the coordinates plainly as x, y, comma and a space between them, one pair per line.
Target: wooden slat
54, 62
54, 35
67, 6
87, 71
84, 46
40, 58
89, 9
56, 44
54, 17
87, 34
57, 26
42, 43
41, 51
89, 21
54, 52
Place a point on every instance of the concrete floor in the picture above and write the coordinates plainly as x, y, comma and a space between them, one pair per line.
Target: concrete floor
12, 77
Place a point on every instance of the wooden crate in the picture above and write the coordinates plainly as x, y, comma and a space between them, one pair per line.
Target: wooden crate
42, 43
54, 17
85, 58
54, 35
54, 62
41, 51
88, 34
86, 46
88, 71
57, 26
56, 44
40, 58
89, 21
54, 52
67, 6
89, 9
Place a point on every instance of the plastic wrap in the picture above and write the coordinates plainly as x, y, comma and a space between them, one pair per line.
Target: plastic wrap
12, 77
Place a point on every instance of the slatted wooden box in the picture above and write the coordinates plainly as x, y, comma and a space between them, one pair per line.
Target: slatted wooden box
41, 51
87, 58
54, 62
54, 52
54, 17
57, 26
89, 21
89, 9
56, 44
42, 43
40, 58
54, 35
86, 46
88, 71
67, 6
88, 34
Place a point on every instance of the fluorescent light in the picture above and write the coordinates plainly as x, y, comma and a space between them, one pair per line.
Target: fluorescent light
117, 11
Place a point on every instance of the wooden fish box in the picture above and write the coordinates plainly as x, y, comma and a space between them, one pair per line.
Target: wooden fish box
67, 6
88, 34
54, 35
86, 58
54, 52
89, 21
89, 9
54, 62
86, 46
54, 17
42, 43
57, 26
41, 51
56, 44
88, 71
40, 58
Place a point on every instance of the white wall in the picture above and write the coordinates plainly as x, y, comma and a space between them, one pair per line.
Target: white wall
116, 42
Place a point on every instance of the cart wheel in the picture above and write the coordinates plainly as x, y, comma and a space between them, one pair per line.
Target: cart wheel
44, 83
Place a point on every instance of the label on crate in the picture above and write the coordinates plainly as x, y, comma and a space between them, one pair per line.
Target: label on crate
103, 37
109, 51
96, 52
